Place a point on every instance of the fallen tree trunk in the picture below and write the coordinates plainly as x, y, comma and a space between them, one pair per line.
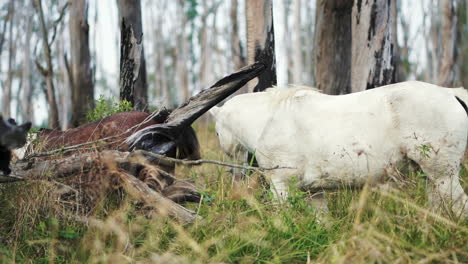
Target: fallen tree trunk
164, 206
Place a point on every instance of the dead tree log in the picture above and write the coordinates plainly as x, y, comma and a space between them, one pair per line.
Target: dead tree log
164, 206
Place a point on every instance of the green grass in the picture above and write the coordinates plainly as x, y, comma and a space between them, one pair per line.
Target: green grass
240, 225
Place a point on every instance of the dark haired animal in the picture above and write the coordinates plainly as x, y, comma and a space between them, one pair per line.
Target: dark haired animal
12, 136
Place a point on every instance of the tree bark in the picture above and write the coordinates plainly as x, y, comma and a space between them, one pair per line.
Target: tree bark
6, 100
236, 46
332, 45
133, 83
26, 102
446, 76
281, 46
261, 42
82, 75
373, 62
181, 51
298, 44
462, 43
49, 73
309, 45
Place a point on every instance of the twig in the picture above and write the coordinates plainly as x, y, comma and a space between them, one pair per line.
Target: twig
203, 161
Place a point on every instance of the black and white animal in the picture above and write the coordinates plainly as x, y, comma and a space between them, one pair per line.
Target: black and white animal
332, 141
12, 136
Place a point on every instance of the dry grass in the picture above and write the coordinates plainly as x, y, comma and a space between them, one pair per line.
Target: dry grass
240, 225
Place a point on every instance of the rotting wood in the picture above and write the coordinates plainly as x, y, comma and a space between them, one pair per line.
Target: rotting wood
164, 206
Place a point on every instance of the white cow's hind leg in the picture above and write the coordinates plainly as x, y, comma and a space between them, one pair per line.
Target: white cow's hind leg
442, 169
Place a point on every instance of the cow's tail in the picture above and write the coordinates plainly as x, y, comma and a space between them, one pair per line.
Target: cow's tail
461, 94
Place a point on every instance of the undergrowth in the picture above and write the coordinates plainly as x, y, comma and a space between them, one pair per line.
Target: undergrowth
105, 107
240, 224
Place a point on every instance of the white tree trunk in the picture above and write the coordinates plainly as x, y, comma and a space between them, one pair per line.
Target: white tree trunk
281, 41
297, 49
372, 62
26, 102
6, 109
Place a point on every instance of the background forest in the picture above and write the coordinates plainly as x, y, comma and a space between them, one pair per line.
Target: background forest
64, 63
190, 44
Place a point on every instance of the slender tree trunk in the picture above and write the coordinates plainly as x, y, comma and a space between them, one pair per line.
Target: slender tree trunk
309, 45
462, 43
261, 42
64, 84
82, 74
373, 62
6, 111
27, 107
53, 109
435, 37
205, 48
298, 44
281, 46
332, 44
160, 55
446, 75
236, 46
130, 16
181, 54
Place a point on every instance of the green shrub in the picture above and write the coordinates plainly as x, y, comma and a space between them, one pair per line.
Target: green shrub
107, 107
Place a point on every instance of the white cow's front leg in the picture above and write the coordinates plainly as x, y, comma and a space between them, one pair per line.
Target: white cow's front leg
279, 188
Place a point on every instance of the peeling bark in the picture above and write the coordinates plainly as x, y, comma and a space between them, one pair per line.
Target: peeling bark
373, 62
130, 52
135, 65
261, 42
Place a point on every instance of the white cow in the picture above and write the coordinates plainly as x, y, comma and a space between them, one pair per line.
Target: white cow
332, 141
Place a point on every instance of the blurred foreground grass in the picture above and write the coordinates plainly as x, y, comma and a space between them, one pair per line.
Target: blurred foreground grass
240, 225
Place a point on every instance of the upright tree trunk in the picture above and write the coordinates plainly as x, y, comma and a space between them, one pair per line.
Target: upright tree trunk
261, 42
49, 72
11, 57
446, 75
82, 75
332, 45
309, 45
181, 52
26, 102
236, 46
160, 55
462, 43
130, 21
373, 62
297, 50
435, 37
281, 42
205, 48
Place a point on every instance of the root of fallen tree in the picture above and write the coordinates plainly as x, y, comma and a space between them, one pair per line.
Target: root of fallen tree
143, 181
148, 182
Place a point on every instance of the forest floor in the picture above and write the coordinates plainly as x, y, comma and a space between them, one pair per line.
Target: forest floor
240, 224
